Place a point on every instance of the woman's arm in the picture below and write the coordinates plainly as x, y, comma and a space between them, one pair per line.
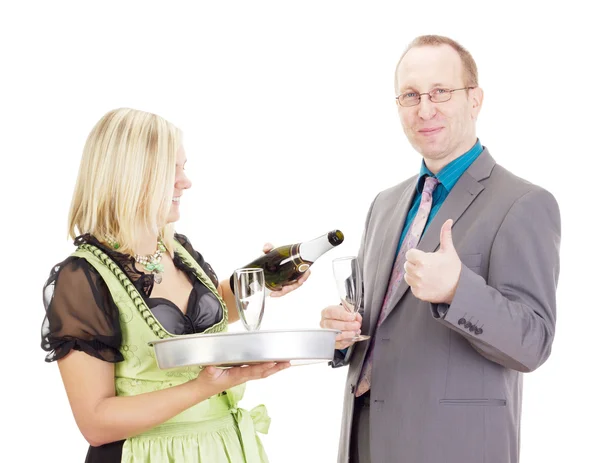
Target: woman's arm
224, 288
102, 417
229, 298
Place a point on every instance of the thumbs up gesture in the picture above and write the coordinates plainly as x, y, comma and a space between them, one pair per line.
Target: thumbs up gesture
433, 276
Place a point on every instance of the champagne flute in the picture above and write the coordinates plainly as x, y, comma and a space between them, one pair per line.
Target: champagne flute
249, 291
348, 279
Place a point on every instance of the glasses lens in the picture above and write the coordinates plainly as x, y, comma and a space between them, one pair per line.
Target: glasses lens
439, 95
409, 99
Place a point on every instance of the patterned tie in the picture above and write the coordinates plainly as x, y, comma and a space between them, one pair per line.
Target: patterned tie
410, 241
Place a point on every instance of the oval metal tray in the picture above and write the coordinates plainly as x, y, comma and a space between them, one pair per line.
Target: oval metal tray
246, 348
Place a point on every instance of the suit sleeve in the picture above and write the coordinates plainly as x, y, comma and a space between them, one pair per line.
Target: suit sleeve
342, 357
510, 319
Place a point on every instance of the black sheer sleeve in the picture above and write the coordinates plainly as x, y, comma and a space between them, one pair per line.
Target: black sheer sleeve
183, 240
80, 313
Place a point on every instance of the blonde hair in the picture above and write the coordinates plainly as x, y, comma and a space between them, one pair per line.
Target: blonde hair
126, 179
470, 74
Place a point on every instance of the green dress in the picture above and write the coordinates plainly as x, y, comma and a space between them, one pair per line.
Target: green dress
216, 430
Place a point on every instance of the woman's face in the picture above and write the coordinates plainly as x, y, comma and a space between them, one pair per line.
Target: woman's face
181, 183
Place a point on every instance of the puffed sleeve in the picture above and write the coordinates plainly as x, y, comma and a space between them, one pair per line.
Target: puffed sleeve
185, 242
80, 313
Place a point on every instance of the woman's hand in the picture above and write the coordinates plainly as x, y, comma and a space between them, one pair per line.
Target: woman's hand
287, 288
219, 379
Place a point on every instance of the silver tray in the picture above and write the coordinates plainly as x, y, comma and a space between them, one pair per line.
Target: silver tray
245, 348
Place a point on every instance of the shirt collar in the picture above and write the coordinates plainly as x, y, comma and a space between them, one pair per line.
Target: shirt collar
448, 175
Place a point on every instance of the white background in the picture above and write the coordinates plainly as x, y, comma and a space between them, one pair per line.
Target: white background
290, 130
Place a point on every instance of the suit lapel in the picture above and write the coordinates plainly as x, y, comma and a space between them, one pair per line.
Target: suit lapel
387, 251
458, 201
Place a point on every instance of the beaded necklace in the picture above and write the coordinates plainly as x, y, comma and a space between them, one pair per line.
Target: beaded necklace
151, 262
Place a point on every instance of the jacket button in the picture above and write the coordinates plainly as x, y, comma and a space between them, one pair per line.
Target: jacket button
352, 388
462, 321
479, 331
468, 325
473, 328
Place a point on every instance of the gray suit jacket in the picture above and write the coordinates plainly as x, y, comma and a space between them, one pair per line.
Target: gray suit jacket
447, 380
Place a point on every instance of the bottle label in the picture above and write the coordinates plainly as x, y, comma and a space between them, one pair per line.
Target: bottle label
300, 264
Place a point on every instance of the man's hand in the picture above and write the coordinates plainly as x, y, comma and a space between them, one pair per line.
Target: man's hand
335, 317
433, 276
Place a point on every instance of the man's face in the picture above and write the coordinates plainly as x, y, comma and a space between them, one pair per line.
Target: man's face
441, 132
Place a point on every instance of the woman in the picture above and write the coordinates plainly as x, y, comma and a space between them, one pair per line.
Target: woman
132, 280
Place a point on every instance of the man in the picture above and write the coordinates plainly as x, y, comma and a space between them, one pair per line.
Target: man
440, 380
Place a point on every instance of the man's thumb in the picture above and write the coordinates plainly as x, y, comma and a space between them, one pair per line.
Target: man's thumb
446, 243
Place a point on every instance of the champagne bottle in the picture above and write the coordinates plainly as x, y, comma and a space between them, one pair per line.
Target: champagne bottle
285, 264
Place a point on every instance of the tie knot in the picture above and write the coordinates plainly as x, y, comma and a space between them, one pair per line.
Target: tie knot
430, 184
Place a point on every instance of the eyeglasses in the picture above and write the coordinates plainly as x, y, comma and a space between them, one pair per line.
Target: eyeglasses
437, 95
